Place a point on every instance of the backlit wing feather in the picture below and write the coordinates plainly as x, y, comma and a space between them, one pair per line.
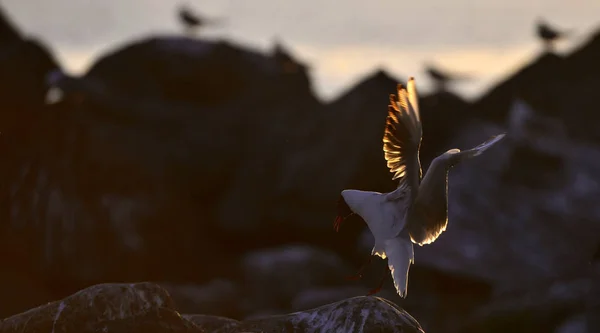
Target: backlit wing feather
402, 136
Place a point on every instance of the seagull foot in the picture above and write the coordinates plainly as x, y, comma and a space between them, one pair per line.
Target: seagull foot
380, 285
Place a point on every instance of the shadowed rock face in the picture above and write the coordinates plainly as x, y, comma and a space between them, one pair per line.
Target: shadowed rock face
359, 314
145, 307
93, 308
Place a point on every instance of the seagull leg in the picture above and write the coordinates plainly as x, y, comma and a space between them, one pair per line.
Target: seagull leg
337, 223
378, 289
358, 274
343, 212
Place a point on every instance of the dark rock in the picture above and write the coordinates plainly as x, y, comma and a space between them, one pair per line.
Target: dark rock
575, 324
146, 307
217, 297
358, 314
540, 309
105, 307
8, 31
273, 277
197, 72
592, 311
536, 83
24, 62
212, 323
161, 320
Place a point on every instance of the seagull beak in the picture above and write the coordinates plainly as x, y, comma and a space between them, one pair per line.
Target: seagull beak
343, 211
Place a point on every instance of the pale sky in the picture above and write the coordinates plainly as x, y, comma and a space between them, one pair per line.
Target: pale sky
341, 40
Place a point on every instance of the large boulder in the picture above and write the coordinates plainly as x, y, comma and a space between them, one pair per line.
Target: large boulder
146, 307
107, 308
358, 314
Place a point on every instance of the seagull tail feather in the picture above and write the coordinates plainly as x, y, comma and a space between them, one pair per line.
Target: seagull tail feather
400, 254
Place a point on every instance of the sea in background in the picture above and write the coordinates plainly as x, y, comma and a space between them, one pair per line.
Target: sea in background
341, 40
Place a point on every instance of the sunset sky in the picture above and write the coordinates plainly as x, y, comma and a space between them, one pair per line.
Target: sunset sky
341, 40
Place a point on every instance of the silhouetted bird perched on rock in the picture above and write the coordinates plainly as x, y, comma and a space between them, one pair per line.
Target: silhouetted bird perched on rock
417, 211
441, 78
193, 21
549, 34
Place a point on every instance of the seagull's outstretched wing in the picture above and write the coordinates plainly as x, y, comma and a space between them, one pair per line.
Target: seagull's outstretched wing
402, 136
431, 205
458, 157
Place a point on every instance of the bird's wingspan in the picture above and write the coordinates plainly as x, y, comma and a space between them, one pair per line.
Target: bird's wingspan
430, 208
458, 157
402, 136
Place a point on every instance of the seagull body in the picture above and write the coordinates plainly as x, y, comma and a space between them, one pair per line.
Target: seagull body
417, 211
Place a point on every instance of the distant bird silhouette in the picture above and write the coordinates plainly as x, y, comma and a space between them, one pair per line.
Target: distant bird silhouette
193, 21
417, 211
442, 78
548, 34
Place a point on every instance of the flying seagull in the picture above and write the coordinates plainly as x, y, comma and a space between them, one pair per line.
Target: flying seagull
549, 34
417, 211
192, 21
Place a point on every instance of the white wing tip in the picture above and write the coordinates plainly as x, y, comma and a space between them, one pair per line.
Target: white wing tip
486, 145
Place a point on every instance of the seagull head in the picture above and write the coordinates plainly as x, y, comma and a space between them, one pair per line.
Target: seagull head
449, 157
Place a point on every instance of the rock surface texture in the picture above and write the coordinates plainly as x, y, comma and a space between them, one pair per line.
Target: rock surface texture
146, 307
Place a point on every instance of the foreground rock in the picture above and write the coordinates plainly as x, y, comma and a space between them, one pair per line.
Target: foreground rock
148, 308
140, 307
358, 314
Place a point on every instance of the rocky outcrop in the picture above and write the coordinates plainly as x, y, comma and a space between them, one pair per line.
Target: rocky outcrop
103, 307
145, 307
359, 314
